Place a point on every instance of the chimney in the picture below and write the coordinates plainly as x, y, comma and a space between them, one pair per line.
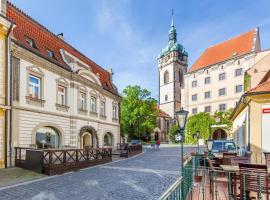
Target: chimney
3, 7
111, 73
61, 36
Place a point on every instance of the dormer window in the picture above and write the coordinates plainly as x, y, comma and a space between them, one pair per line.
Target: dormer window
49, 53
30, 42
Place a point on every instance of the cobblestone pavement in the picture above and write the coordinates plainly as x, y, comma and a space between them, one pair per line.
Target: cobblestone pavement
146, 176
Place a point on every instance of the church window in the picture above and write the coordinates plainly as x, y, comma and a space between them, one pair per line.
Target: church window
166, 97
166, 77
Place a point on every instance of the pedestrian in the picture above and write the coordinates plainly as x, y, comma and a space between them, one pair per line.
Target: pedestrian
157, 144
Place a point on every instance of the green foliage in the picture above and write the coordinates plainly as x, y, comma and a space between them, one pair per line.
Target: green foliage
246, 81
202, 122
138, 112
174, 130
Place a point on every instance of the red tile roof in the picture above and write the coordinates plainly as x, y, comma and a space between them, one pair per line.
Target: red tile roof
237, 46
263, 87
44, 39
161, 113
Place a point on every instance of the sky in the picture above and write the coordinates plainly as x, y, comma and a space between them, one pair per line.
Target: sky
128, 35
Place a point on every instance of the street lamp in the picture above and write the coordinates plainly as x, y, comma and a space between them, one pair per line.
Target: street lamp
181, 117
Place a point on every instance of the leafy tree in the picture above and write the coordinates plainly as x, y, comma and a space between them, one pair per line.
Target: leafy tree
138, 111
200, 122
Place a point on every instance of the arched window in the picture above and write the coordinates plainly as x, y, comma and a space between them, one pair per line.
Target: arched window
108, 139
47, 137
166, 77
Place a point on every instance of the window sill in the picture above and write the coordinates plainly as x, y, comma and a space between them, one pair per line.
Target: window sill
82, 111
60, 107
93, 114
35, 101
103, 117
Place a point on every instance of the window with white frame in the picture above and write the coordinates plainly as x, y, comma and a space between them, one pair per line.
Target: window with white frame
194, 97
222, 76
207, 80
207, 95
194, 111
207, 109
114, 112
238, 88
82, 99
34, 87
61, 95
238, 72
194, 84
222, 92
93, 103
102, 108
222, 107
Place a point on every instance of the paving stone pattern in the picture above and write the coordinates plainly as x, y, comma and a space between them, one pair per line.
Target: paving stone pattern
146, 176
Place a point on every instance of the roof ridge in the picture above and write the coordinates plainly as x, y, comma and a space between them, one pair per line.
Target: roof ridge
53, 34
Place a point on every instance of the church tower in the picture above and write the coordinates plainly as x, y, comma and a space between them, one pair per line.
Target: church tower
172, 65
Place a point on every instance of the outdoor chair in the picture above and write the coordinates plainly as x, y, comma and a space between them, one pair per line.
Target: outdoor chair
253, 178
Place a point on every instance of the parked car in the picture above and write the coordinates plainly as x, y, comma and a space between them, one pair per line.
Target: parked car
220, 146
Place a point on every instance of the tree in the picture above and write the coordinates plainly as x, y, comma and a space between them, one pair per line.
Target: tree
138, 111
173, 131
200, 122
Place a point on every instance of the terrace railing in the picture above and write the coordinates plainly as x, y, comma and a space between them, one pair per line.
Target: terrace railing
57, 161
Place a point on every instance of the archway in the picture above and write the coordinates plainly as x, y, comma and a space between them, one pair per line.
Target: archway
219, 134
47, 137
88, 137
108, 139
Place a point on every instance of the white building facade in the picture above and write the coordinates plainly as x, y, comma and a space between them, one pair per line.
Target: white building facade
215, 82
60, 97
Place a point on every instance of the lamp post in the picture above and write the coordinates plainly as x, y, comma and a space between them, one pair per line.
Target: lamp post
181, 118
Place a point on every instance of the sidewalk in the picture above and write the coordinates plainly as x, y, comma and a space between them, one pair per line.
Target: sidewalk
11, 176
174, 145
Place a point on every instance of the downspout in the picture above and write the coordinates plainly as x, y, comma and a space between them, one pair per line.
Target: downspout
8, 99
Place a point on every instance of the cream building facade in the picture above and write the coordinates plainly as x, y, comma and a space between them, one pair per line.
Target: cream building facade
60, 98
215, 82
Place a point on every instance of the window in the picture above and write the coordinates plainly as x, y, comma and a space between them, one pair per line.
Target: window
207, 95
238, 88
93, 104
166, 97
194, 83
49, 53
166, 77
222, 76
222, 107
34, 87
238, 72
207, 109
194, 97
222, 92
102, 108
114, 114
16, 78
47, 137
30, 42
207, 80
82, 104
194, 111
61, 95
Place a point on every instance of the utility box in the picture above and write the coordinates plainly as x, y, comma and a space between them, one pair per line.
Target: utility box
34, 160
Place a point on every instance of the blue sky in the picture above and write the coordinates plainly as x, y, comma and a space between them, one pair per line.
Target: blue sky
128, 35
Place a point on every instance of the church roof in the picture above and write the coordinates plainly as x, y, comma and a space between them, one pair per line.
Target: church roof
45, 40
236, 46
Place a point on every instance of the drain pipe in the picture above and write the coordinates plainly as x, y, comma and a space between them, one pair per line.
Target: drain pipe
8, 100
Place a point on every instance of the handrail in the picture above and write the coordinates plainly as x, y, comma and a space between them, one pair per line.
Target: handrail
167, 193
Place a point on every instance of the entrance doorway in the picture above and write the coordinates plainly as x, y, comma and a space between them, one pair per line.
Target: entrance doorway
219, 134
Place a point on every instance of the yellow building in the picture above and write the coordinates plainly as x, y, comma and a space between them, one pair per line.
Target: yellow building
251, 120
4, 87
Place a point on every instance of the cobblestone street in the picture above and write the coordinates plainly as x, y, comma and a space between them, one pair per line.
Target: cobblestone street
146, 176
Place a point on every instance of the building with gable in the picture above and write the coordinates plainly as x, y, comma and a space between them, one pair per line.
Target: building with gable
215, 82
60, 97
